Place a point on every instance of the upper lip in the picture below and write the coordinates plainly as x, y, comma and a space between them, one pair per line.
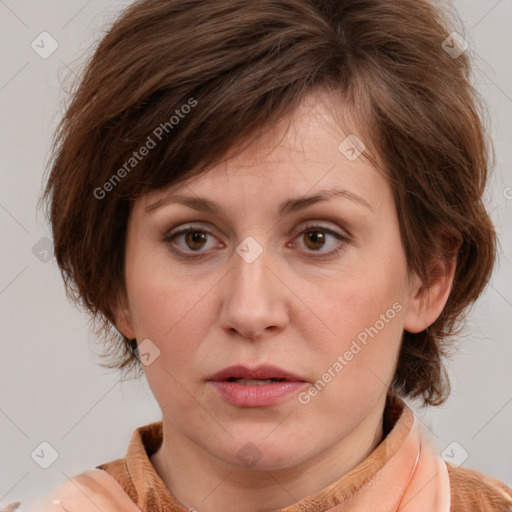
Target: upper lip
264, 371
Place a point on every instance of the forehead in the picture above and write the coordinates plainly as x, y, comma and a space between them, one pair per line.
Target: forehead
299, 155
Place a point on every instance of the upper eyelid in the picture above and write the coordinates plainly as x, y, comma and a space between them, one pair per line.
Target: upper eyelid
303, 226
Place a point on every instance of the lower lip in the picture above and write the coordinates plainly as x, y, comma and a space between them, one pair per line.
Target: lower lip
256, 396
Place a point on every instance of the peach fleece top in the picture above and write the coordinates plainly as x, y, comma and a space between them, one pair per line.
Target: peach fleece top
404, 473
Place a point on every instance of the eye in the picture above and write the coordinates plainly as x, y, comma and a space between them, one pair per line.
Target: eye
315, 238
194, 239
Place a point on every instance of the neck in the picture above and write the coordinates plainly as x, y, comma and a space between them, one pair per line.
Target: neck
203, 482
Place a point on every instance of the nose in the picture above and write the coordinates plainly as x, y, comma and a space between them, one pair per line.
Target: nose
255, 298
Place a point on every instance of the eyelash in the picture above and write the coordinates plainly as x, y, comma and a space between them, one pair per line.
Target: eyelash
311, 227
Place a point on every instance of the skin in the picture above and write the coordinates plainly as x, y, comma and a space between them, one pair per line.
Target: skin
289, 308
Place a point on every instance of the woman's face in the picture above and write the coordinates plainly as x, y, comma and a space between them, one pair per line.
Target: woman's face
316, 287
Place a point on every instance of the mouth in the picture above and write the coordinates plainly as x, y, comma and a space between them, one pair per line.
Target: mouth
254, 382
258, 376
262, 386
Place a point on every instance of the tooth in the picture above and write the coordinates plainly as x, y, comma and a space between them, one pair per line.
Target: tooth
256, 382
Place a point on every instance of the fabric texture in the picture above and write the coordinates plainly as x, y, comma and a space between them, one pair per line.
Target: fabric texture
91, 491
403, 473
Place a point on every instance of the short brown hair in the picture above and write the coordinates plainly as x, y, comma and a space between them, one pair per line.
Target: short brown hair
247, 65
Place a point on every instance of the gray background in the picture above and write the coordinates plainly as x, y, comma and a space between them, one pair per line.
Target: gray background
53, 390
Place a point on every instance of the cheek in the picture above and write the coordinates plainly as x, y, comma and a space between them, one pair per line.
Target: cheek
365, 310
359, 365
368, 336
176, 316
174, 311
352, 305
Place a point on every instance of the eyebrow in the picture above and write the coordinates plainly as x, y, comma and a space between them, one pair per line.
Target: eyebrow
289, 206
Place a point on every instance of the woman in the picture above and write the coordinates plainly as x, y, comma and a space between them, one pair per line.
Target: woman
275, 210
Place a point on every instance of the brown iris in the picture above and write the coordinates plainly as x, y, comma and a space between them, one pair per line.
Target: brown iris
195, 237
316, 237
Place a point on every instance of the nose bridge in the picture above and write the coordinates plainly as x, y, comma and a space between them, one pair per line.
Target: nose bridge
251, 303
250, 268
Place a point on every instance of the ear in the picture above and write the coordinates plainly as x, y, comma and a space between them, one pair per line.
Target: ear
429, 296
122, 316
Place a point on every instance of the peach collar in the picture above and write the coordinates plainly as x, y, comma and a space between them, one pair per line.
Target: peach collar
403, 473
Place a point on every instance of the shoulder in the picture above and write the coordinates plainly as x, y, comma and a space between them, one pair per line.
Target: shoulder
89, 491
472, 491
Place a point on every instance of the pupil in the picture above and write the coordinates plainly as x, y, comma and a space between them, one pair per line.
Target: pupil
196, 237
316, 237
